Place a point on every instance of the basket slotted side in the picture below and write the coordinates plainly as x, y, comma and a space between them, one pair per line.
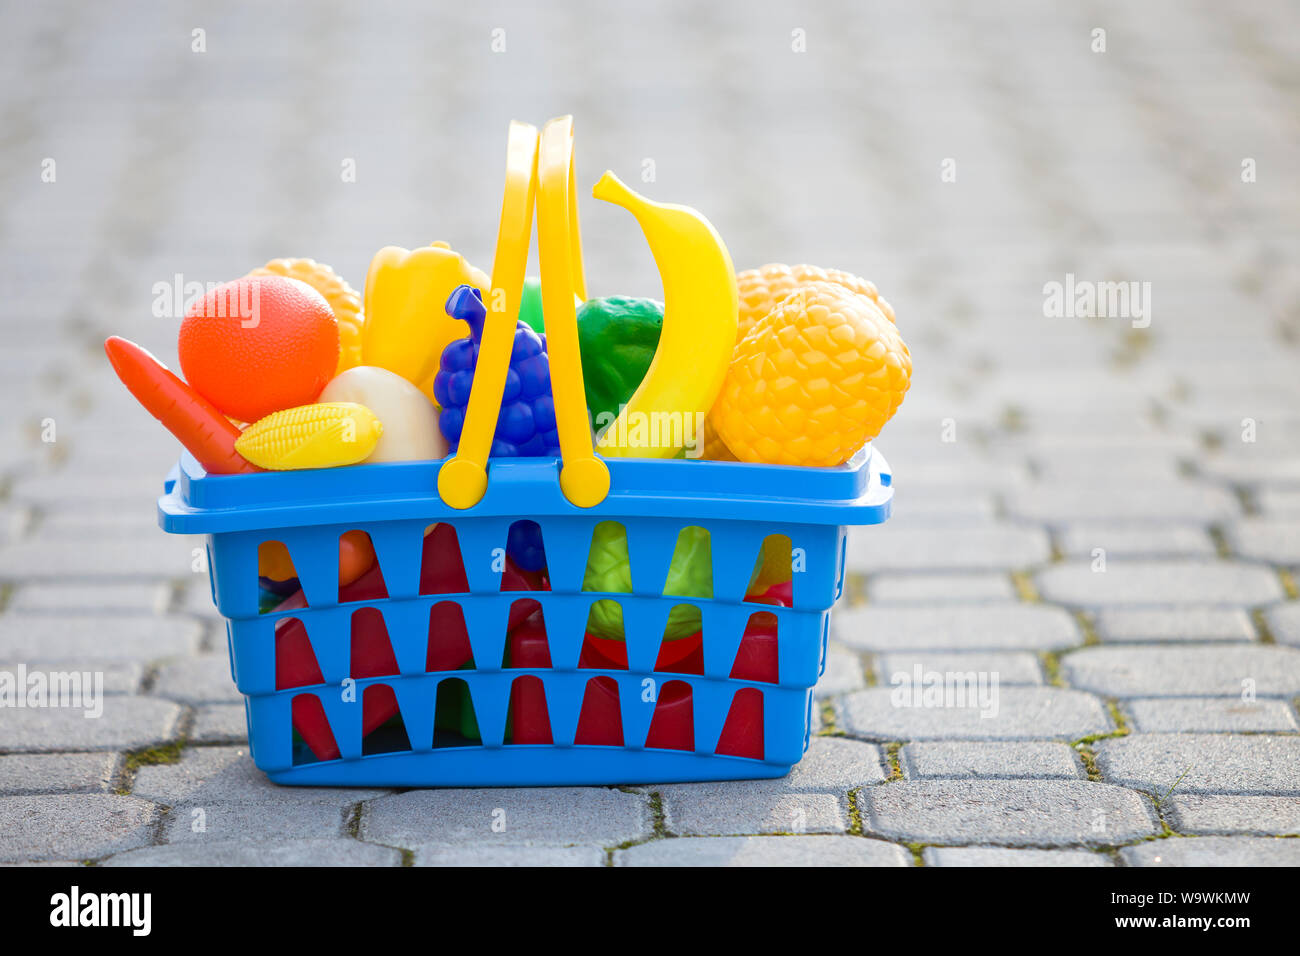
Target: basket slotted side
394, 503
802, 631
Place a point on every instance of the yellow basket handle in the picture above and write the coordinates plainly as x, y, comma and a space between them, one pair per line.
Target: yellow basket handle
584, 478
463, 479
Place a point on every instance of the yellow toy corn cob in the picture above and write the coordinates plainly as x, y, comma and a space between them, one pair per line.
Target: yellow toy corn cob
324, 435
343, 299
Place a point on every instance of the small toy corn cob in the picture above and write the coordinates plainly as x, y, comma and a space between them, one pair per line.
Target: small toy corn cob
324, 435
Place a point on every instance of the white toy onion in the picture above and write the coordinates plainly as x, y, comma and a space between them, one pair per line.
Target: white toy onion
410, 419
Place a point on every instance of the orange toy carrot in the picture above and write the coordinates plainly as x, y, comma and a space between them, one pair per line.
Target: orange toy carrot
205, 432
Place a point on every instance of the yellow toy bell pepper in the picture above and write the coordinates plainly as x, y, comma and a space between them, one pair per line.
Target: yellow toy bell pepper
407, 325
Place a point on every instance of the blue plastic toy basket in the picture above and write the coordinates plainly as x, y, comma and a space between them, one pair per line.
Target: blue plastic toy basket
738, 504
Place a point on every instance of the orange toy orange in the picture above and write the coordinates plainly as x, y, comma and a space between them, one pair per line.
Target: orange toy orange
259, 344
343, 299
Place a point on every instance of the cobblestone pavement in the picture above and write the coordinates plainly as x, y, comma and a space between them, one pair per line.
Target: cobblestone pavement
1103, 511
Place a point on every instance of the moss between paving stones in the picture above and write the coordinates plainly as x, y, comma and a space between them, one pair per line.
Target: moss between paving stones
829, 726
1262, 628
1083, 746
153, 756
855, 589
1089, 628
1024, 585
658, 828
869, 675
855, 811
1051, 661
895, 764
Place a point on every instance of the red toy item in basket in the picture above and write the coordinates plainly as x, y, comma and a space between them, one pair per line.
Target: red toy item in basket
673, 724
372, 652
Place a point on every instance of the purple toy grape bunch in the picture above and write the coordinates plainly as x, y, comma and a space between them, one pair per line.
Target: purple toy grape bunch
526, 424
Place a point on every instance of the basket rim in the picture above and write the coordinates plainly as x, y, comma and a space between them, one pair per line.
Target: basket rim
859, 492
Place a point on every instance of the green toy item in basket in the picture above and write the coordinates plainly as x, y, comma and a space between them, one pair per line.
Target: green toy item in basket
690, 575
617, 336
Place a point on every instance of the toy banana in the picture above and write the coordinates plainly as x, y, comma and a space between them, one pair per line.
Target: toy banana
324, 435
699, 330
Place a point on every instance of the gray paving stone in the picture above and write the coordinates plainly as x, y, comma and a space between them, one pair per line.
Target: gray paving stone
1014, 713
1279, 502
509, 856
196, 600
209, 776
57, 773
60, 488
979, 547
831, 765
253, 822
1269, 816
1072, 466
921, 588
1160, 582
72, 826
964, 760
843, 673
1284, 622
219, 724
198, 680
63, 598
557, 816
1012, 667
1206, 763
1144, 625
1136, 541
1001, 856
1214, 851
327, 852
75, 521
161, 556
1010, 812
1253, 469
1060, 505
68, 636
693, 812
918, 505
960, 628
1210, 715
42, 863
1275, 540
127, 723
1203, 670
118, 676
1061, 445
765, 851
